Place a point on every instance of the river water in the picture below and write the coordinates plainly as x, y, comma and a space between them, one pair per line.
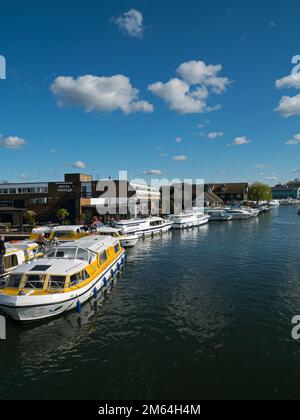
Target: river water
197, 314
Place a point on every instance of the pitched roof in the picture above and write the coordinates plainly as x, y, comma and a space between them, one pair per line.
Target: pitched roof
212, 198
229, 188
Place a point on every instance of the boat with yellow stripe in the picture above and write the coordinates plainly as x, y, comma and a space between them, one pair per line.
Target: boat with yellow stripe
40, 230
18, 252
68, 233
63, 280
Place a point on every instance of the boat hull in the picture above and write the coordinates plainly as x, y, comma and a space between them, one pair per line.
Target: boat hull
129, 242
36, 308
240, 216
220, 218
150, 231
191, 223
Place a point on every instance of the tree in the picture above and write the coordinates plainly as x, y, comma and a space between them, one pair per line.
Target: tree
30, 218
259, 192
62, 215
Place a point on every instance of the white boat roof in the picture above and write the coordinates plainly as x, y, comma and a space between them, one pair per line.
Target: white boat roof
67, 227
94, 243
107, 229
138, 221
22, 245
41, 229
52, 266
67, 266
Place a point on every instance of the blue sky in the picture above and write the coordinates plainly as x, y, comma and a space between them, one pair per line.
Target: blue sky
101, 123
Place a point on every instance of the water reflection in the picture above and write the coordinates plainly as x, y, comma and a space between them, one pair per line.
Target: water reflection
193, 310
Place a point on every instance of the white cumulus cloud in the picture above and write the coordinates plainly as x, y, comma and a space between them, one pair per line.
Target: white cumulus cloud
153, 172
12, 142
238, 141
189, 92
180, 157
177, 95
290, 81
131, 23
289, 105
198, 73
294, 140
78, 164
101, 94
215, 134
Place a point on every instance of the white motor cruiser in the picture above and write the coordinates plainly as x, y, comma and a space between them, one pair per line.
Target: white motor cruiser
144, 227
189, 219
126, 241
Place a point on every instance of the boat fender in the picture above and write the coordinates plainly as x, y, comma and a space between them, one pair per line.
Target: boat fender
95, 292
78, 307
112, 273
118, 267
105, 282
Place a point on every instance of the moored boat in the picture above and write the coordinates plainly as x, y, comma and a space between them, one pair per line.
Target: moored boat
273, 203
40, 230
67, 277
68, 233
126, 241
189, 219
144, 227
218, 215
238, 214
18, 252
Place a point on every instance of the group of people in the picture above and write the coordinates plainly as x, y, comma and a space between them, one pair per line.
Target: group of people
2, 253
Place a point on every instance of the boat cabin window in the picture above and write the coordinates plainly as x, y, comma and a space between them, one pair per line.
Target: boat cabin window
78, 278
34, 281
103, 257
13, 280
10, 261
117, 248
83, 254
66, 253
155, 223
57, 282
70, 253
51, 254
62, 233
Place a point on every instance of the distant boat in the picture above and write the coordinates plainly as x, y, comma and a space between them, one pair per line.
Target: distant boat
218, 215
144, 227
238, 214
127, 241
286, 202
188, 219
253, 211
274, 203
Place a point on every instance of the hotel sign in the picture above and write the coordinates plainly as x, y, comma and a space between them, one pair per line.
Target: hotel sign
64, 187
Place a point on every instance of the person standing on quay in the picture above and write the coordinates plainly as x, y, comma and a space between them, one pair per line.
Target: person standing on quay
2, 253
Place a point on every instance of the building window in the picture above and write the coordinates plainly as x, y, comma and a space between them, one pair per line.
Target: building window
86, 190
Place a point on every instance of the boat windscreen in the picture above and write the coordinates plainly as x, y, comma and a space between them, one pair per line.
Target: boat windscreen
13, 281
66, 252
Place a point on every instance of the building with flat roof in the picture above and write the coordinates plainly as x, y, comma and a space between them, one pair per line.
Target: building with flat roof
78, 193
